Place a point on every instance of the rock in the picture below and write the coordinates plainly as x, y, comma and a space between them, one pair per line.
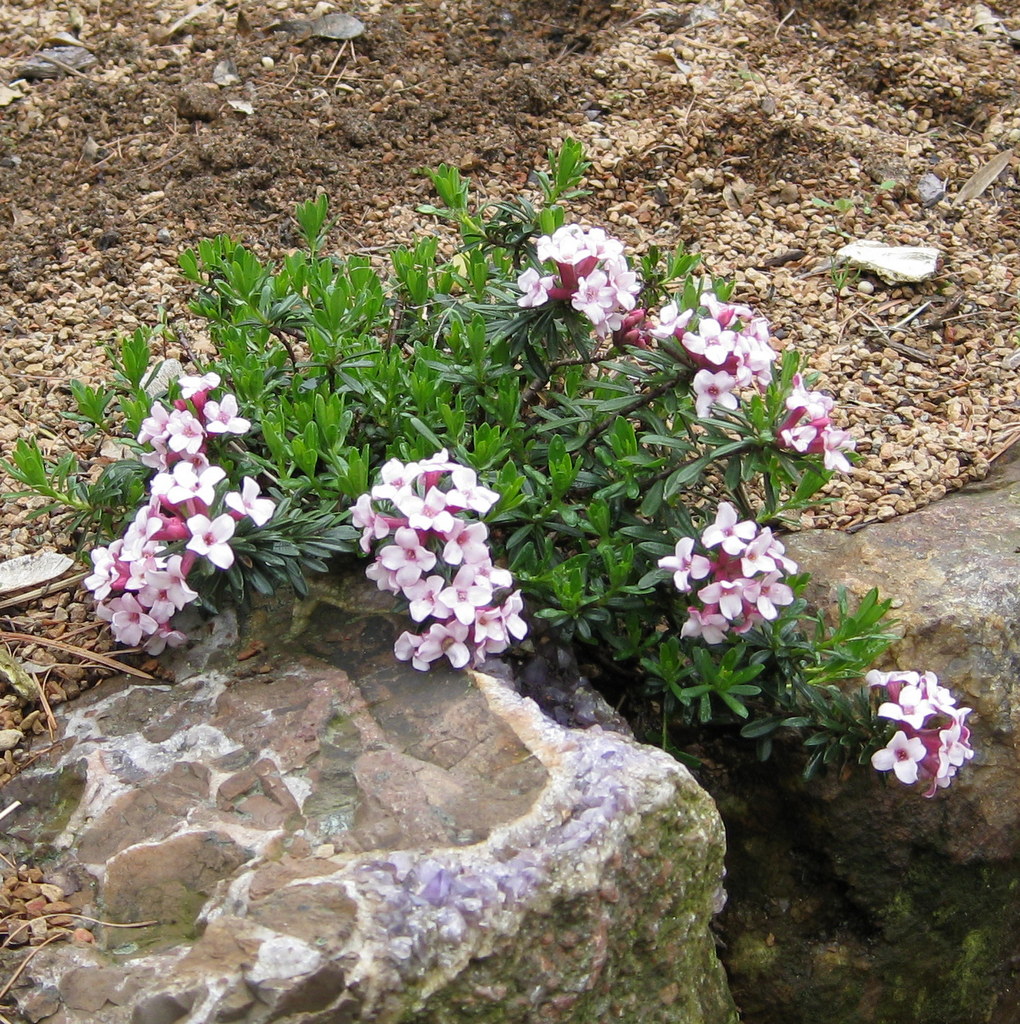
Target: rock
10, 738
14, 676
159, 377
56, 62
198, 102
325, 835
902, 889
42, 1003
931, 189
32, 570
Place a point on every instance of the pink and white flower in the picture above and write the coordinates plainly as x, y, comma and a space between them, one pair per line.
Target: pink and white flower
407, 558
154, 426
535, 287
222, 417
726, 532
902, 755
424, 599
672, 322
192, 385
466, 594
129, 620
685, 565
714, 389
184, 432
441, 638
184, 483
466, 542
707, 624
211, 537
249, 502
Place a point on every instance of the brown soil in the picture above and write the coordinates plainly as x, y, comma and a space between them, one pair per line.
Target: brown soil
726, 126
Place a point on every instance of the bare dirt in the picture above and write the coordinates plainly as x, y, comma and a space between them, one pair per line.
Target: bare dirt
763, 135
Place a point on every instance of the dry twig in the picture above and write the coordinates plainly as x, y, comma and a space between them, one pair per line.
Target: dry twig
79, 652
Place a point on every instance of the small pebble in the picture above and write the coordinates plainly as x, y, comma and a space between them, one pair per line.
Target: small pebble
10, 738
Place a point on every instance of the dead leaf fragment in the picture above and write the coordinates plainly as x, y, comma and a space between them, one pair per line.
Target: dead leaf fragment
329, 26
32, 570
225, 73
56, 62
66, 39
13, 673
337, 26
892, 263
10, 93
166, 34
21, 218
983, 177
242, 107
985, 20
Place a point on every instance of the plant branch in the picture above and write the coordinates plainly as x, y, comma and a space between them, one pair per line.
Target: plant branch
283, 334
642, 400
557, 364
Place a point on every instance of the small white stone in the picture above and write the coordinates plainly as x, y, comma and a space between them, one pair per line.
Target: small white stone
10, 738
268, 63
283, 957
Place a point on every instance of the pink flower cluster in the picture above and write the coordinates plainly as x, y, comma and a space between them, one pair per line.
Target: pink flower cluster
730, 345
438, 558
808, 429
931, 741
138, 584
742, 572
591, 274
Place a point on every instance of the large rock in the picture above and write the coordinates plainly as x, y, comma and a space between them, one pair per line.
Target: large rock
320, 834
852, 897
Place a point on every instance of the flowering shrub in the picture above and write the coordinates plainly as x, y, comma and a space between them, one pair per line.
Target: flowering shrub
931, 740
422, 505
743, 588
137, 584
616, 419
